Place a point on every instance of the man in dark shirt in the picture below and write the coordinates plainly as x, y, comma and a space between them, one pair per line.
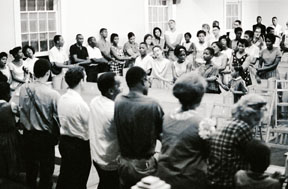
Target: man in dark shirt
259, 24
138, 120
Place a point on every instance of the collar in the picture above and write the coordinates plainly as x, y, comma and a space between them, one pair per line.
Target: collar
73, 93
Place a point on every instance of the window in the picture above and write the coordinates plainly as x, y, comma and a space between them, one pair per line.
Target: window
158, 14
38, 23
233, 12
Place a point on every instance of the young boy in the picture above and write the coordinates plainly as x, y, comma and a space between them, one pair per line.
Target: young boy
258, 156
236, 85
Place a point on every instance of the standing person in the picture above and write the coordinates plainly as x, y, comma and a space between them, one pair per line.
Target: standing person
38, 114
131, 49
144, 61
227, 146
74, 142
4, 69
59, 60
259, 24
29, 52
138, 120
157, 39
252, 50
258, 39
172, 38
182, 161
238, 33
236, 24
228, 52
188, 44
278, 28
206, 28
200, 45
219, 59
102, 131
216, 34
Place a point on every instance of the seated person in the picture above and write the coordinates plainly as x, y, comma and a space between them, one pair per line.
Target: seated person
131, 49
144, 60
258, 156
188, 44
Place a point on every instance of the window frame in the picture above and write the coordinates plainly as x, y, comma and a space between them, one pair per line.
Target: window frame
239, 2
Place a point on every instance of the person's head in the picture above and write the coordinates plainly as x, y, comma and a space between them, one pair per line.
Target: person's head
270, 30
79, 39
208, 54
216, 45
131, 37
187, 36
206, 28
237, 23
109, 85
223, 41
250, 109
172, 24
157, 32
42, 68
136, 79
241, 45
4, 88
157, 51
249, 35
103, 33
238, 32
3, 59
189, 90
92, 41
236, 71
143, 49
270, 40
216, 30
28, 51
148, 39
257, 32
201, 34
58, 41
180, 52
16, 53
259, 19
258, 155
215, 23
114, 38
74, 76
274, 21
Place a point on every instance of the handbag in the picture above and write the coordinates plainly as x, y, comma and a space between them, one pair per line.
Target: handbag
55, 69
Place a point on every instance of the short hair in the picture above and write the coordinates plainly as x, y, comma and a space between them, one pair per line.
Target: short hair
269, 28
3, 54
154, 32
178, 49
257, 154
258, 18
134, 76
189, 34
239, 21
56, 38
201, 31
90, 39
102, 29
78, 35
130, 34
243, 41
238, 29
156, 46
74, 75
206, 25
211, 50
41, 67
219, 45
190, 88
171, 20
271, 37
216, 27
215, 23
222, 37
15, 51
249, 33
28, 47
143, 43
274, 17
112, 37
105, 82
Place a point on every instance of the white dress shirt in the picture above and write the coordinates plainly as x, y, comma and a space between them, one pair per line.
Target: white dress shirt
73, 114
56, 55
94, 52
102, 131
145, 63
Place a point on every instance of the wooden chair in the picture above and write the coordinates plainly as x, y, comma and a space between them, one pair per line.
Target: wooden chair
222, 114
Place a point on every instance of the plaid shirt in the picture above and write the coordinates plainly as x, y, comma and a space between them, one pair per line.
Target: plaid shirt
226, 153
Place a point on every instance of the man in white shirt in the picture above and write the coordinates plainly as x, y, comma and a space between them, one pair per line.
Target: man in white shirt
102, 131
277, 27
144, 61
99, 64
216, 34
74, 142
172, 38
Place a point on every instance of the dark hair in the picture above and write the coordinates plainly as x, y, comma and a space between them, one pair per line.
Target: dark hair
171, 20
215, 23
274, 17
56, 38
211, 50
143, 43
258, 18
239, 21
258, 155
3, 54
89, 39
222, 37
216, 27
154, 32
243, 41
271, 37
41, 67
134, 76
189, 34
219, 45
102, 29
15, 51
269, 28
178, 49
239, 69
73, 76
249, 33
130, 34
201, 31
146, 36
28, 47
105, 82
78, 35
236, 30
113, 35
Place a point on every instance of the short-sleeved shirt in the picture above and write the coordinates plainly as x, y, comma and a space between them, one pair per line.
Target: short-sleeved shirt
208, 71
81, 52
172, 35
104, 46
269, 56
253, 51
94, 52
58, 55
145, 63
133, 46
138, 120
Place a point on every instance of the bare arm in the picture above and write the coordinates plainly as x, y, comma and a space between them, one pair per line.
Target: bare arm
246, 63
178, 40
117, 57
272, 66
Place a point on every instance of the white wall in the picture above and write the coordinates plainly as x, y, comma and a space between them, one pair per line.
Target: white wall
250, 11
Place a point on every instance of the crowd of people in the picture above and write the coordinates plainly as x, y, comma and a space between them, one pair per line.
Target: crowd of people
117, 132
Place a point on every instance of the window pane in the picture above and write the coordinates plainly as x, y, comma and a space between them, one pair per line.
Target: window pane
23, 5
33, 22
51, 37
52, 21
25, 39
43, 42
31, 5
42, 22
34, 41
160, 15
40, 4
49, 5
24, 22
